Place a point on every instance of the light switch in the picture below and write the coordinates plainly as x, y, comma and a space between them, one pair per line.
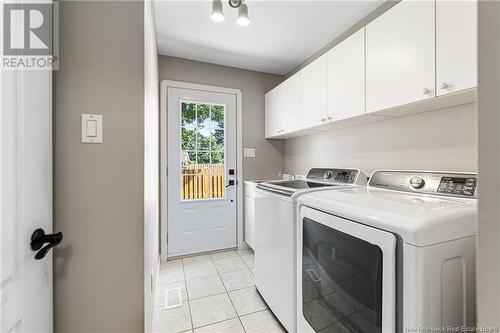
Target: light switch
249, 152
91, 128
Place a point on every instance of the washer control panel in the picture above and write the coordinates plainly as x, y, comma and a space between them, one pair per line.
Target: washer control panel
448, 184
347, 176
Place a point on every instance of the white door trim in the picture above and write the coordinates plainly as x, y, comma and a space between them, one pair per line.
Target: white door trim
164, 156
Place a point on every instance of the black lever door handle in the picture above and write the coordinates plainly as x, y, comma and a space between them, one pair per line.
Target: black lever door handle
231, 183
39, 238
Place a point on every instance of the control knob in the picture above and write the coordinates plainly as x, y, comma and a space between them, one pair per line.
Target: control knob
328, 175
417, 182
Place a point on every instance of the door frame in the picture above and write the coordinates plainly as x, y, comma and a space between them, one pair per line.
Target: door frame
164, 85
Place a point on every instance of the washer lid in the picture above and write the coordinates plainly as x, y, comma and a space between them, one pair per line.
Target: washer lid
418, 219
316, 179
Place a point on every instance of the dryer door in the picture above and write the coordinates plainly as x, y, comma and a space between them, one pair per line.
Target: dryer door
346, 275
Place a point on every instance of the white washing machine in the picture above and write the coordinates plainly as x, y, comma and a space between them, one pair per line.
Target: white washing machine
275, 235
396, 256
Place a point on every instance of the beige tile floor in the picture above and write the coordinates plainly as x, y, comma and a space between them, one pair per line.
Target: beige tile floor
218, 294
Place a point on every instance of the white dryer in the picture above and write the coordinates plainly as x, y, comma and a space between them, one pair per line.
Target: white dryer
275, 235
396, 256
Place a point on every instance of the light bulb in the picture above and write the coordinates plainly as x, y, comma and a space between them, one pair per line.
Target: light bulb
217, 12
243, 15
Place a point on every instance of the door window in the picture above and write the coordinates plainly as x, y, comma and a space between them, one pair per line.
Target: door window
202, 151
341, 281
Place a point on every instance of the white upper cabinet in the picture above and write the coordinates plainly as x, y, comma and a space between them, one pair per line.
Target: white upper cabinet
282, 107
400, 56
313, 93
346, 78
414, 52
456, 45
290, 104
272, 105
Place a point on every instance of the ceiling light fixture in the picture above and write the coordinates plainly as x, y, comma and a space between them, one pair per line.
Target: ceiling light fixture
217, 12
243, 15
235, 3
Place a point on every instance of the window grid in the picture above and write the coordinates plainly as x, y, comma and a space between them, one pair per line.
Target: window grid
206, 182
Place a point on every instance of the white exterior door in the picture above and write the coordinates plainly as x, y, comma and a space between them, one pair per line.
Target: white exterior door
201, 171
26, 199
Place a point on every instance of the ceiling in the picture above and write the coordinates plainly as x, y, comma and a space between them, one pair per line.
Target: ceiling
281, 34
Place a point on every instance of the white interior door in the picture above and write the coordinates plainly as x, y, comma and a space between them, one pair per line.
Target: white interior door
201, 171
26, 199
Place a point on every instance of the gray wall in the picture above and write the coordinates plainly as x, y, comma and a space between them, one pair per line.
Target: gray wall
268, 163
151, 163
99, 188
426, 141
488, 269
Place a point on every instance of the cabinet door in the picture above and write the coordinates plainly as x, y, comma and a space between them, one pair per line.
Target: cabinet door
272, 104
346, 78
400, 56
289, 112
313, 93
456, 45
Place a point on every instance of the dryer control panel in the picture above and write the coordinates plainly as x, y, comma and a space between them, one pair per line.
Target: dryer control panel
458, 185
425, 182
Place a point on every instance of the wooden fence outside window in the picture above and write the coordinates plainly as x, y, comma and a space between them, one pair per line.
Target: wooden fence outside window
202, 181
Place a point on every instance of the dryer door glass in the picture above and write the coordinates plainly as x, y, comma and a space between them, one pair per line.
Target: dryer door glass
341, 281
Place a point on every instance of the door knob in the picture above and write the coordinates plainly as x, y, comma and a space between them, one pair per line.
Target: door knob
39, 238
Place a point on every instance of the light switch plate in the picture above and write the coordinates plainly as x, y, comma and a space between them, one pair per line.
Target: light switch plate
249, 152
91, 128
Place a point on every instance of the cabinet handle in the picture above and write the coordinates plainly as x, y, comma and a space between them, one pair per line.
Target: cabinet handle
329, 118
323, 120
426, 91
445, 85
